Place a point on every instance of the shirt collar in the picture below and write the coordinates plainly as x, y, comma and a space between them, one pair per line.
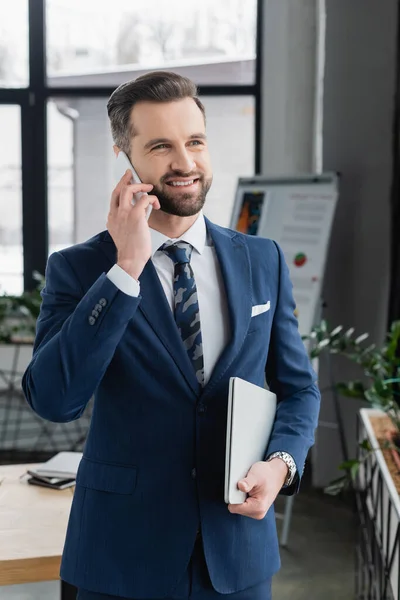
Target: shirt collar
196, 235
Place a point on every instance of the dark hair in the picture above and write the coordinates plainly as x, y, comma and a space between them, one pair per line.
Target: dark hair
157, 86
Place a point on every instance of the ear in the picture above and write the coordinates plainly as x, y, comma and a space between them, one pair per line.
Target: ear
116, 150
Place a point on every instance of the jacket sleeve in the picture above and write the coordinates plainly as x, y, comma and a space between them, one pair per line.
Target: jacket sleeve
290, 376
76, 337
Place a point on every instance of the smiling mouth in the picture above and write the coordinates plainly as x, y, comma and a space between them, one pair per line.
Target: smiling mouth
183, 184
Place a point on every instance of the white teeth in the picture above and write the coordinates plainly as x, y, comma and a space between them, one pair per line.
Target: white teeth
182, 182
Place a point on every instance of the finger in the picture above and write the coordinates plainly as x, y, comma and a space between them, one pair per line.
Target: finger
251, 508
147, 199
128, 191
125, 179
248, 483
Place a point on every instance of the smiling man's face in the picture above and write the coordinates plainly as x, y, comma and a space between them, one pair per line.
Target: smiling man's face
170, 150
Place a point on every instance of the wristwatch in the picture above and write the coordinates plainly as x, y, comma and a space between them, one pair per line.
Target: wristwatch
289, 461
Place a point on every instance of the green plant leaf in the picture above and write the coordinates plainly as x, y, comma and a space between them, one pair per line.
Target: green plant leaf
366, 445
323, 343
361, 338
336, 331
337, 485
348, 465
349, 332
354, 469
352, 389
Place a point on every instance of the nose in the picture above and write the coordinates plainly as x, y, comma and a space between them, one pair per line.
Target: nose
182, 161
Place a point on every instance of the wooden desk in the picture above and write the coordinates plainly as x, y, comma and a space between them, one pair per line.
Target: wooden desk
33, 523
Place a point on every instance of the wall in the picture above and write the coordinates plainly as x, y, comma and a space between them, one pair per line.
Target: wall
288, 86
357, 107
357, 141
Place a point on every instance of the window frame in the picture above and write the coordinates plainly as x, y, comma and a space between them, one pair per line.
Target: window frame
33, 103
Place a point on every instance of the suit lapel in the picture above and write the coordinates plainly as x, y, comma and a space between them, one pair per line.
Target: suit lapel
234, 261
156, 310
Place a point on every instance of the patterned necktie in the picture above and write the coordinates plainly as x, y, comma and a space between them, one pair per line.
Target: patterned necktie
186, 304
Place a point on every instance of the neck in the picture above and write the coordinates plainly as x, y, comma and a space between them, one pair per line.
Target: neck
170, 225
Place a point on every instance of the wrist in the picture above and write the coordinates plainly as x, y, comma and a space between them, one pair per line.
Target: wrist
132, 268
280, 467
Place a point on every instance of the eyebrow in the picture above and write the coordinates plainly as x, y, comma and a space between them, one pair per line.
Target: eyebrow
156, 141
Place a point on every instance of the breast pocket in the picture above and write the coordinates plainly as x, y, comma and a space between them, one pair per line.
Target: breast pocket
261, 319
106, 477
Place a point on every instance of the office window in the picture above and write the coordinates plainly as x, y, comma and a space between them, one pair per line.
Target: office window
60, 176
14, 44
80, 163
230, 131
97, 42
11, 257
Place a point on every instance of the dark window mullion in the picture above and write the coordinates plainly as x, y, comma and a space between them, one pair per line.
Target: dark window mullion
258, 88
204, 90
13, 96
34, 151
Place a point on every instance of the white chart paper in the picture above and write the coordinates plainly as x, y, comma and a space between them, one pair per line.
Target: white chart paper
297, 214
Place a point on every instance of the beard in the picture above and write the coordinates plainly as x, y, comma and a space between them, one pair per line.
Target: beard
182, 204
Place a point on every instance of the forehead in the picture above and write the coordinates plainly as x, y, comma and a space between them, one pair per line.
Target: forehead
166, 119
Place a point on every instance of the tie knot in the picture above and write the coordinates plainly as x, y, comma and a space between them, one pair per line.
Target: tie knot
180, 252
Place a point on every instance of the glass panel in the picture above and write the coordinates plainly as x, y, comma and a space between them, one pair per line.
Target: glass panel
60, 138
11, 257
14, 68
81, 163
230, 132
98, 42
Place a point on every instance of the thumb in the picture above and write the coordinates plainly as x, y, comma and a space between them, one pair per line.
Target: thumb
247, 484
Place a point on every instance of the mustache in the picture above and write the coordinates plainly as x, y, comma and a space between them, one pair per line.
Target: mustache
164, 178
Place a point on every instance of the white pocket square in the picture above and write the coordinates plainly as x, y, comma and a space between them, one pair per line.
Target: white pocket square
260, 308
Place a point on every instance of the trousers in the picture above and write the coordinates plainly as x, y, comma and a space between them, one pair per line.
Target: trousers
195, 585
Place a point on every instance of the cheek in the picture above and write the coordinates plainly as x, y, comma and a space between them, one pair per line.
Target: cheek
203, 162
155, 170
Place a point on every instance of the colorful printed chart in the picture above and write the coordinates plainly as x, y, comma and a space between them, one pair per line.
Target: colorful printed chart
300, 259
296, 212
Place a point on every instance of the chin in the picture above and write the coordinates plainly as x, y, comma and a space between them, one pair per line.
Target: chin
187, 205
182, 210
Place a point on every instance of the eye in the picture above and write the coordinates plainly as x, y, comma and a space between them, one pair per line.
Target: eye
160, 146
196, 142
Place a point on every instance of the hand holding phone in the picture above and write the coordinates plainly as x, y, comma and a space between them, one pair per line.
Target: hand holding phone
122, 163
127, 220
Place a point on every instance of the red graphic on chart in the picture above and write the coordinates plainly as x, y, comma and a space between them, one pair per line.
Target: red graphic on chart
300, 259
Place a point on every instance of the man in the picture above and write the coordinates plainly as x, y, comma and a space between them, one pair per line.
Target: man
153, 318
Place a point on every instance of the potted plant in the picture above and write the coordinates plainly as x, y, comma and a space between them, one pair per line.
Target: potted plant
25, 436
380, 387
18, 314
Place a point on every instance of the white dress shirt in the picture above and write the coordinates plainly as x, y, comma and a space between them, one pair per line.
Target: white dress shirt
214, 319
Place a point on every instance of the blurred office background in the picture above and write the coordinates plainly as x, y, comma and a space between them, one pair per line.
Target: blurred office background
289, 86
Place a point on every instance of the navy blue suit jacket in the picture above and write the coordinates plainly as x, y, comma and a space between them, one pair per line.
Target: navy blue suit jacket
154, 459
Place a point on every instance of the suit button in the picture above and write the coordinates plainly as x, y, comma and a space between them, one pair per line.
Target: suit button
98, 307
194, 474
95, 313
201, 409
92, 320
102, 301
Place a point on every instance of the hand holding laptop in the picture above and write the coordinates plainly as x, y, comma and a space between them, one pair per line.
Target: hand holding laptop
263, 483
251, 484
